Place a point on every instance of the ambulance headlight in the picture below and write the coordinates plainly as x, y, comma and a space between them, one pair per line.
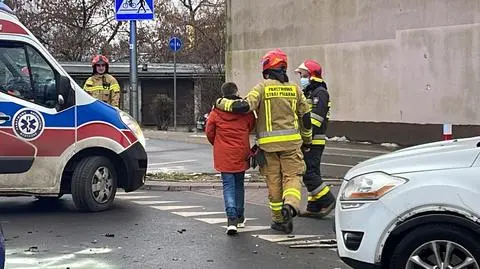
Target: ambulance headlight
133, 126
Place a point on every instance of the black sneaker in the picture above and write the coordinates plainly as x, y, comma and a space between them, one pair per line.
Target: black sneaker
241, 222
232, 226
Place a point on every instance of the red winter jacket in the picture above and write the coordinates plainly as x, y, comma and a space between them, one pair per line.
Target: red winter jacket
229, 135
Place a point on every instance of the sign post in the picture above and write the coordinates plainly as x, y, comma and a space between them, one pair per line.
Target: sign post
133, 10
175, 44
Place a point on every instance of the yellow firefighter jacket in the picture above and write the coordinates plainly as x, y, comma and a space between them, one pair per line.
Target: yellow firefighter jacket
279, 106
103, 87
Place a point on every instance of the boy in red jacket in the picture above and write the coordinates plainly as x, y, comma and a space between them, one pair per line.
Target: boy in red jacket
229, 135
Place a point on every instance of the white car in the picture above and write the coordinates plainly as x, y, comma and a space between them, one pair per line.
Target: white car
417, 207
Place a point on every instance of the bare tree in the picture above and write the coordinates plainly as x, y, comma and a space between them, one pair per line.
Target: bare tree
73, 30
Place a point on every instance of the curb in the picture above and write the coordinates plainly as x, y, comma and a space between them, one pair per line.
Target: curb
182, 186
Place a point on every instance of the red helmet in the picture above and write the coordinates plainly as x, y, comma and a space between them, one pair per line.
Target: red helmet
312, 67
274, 59
99, 59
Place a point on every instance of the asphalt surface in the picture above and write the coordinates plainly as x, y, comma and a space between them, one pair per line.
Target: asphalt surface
187, 157
142, 231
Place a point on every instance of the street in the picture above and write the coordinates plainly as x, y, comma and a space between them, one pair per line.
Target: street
149, 229
172, 229
188, 157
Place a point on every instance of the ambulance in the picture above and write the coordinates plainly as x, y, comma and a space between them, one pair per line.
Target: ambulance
56, 139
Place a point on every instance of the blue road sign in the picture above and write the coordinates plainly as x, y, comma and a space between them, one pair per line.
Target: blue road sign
133, 10
175, 44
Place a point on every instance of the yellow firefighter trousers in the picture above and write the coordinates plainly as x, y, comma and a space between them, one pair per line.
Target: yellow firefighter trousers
283, 171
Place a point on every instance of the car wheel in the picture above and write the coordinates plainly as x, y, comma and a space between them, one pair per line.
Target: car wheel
437, 246
94, 184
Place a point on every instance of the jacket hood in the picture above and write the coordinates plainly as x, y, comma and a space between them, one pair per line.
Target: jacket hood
228, 116
459, 153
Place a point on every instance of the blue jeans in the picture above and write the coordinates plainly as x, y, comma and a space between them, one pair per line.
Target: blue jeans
234, 194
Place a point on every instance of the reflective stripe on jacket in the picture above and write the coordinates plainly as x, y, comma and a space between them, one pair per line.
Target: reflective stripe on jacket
279, 107
103, 87
319, 102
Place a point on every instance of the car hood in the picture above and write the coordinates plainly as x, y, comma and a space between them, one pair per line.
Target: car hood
458, 153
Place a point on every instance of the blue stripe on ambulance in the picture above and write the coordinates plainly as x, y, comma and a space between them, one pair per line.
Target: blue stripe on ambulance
99, 111
64, 119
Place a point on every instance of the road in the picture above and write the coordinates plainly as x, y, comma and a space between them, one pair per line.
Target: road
184, 157
149, 229
152, 229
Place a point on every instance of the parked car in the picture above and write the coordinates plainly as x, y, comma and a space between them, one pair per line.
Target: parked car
414, 208
202, 122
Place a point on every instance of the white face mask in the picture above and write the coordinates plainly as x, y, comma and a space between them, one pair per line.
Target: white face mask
304, 82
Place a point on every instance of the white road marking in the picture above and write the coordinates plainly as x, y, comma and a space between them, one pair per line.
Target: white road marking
359, 150
154, 202
173, 207
130, 193
217, 220
305, 242
125, 197
281, 237
336, 164
193, 214
348, 155
175, 162
250, 228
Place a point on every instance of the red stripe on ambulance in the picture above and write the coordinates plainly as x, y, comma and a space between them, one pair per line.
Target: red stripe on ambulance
11, 146
102, 130
8, 27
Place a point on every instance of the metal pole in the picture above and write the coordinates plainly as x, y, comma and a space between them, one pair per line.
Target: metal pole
175, 90
133, 71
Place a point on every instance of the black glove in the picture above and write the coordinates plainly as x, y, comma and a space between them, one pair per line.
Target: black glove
306, 147
260, 158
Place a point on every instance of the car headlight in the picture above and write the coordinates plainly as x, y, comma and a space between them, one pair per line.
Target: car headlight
133, 126
370, 186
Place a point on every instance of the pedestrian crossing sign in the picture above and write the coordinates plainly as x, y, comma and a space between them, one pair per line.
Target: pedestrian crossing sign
132, 10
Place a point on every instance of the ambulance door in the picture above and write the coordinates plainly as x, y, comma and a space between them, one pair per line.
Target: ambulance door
36, 122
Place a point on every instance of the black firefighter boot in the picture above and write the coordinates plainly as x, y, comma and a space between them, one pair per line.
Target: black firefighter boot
320, 208
287, 225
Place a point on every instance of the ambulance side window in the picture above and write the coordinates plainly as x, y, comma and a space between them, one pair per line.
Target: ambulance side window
13, 80
43, 79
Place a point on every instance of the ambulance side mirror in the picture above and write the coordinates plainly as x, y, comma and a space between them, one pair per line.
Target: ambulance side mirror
66, 95
61, 100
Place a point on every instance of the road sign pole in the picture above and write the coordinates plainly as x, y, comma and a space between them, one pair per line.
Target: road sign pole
174, 91
133, 71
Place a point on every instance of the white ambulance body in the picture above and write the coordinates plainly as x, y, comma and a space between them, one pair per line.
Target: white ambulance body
55, 138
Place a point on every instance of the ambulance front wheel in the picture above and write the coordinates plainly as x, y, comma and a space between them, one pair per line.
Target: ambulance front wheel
94, 184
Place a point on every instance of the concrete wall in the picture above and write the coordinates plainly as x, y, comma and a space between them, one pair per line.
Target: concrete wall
410, 61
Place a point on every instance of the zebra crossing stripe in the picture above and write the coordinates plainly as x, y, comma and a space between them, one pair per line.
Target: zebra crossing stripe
217, 220
250, 228
283, 239
173, 207
130, 193
154, 202
132, 197
194, 214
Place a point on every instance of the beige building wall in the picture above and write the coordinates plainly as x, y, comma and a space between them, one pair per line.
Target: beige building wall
385, 61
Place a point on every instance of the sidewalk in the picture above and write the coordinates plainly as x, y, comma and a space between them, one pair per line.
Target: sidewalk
197, 138
165, 185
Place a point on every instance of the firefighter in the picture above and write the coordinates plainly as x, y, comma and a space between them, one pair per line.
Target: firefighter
283, 125
321, 201
101, 84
